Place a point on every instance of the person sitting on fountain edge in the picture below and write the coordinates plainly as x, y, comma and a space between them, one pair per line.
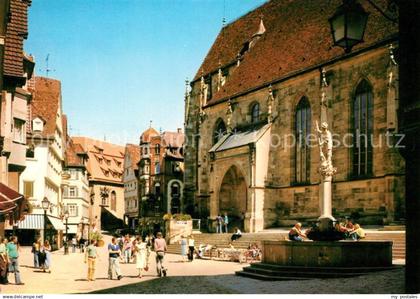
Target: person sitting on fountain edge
295, 234
357, 233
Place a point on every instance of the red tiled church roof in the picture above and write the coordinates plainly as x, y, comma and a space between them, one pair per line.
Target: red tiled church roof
16, 32
297, 36
46, 102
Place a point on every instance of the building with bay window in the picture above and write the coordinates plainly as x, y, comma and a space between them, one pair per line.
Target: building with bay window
76, 191
131, 191
105, 166
160, 175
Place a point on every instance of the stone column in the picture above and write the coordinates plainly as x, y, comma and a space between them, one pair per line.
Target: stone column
326, 168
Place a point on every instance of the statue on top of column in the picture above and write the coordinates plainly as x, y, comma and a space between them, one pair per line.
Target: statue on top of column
325, 150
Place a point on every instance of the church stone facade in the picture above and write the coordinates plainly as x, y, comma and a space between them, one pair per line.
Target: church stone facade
251, 115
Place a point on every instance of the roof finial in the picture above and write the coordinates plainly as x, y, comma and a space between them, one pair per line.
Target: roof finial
261, 27
224, 14
150, 124
187, 83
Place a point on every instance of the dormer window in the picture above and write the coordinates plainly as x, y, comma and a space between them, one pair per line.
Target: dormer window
37, 125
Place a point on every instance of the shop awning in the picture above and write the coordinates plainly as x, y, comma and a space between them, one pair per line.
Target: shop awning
72, 229
36, 221
57, 223
10, 200
31, 221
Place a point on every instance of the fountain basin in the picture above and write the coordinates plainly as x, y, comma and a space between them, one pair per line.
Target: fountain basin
344, 253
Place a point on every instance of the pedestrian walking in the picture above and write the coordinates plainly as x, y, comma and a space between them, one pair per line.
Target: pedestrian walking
160, 249
226, 222
114, 256
90, 258
183, 248
46, 249
191, 248
127, 246
150, 240
73, 244
12, 249
219, 223
36, 246
141, 254
4, 261
82, 245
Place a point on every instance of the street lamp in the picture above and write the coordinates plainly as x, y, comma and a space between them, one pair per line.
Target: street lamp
348, 24
45, 203
66, 245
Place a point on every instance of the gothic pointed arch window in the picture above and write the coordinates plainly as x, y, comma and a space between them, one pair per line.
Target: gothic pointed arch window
302, 149
219, 130
255, 113
362, 130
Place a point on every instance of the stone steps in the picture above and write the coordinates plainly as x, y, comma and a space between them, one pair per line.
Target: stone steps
222, 240
263, 271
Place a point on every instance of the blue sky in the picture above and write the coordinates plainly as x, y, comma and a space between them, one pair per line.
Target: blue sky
123, 63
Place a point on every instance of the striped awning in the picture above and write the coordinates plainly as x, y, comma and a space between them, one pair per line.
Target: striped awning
36, 221
31, 221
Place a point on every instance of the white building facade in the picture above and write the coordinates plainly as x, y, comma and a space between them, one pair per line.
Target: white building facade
131, 191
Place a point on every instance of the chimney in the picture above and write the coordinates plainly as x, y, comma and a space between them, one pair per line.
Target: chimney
179, 130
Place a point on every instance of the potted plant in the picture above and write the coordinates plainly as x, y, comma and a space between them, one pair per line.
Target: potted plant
97, 236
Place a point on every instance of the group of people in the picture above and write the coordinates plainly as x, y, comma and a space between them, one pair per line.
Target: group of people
347, 230
9, 260
42, 255
128, 249
222, 222
78, 242
187, 248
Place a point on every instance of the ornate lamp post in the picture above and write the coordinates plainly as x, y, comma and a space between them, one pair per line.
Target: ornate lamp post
66, 245
45, 203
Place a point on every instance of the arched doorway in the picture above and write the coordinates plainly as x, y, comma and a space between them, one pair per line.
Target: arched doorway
233, 197
174, 197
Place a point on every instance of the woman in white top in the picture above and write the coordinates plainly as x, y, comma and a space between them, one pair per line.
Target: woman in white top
191, 248
140, 249
236, 235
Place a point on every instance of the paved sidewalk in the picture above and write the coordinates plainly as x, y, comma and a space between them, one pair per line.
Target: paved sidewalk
199, 277
69, 273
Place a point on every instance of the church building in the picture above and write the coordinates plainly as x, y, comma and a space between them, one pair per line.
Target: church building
250, 120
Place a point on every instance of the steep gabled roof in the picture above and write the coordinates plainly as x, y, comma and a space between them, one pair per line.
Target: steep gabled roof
46, 100
109, 151
172, 139
297, 36
16, 32
134, 151
74, 156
